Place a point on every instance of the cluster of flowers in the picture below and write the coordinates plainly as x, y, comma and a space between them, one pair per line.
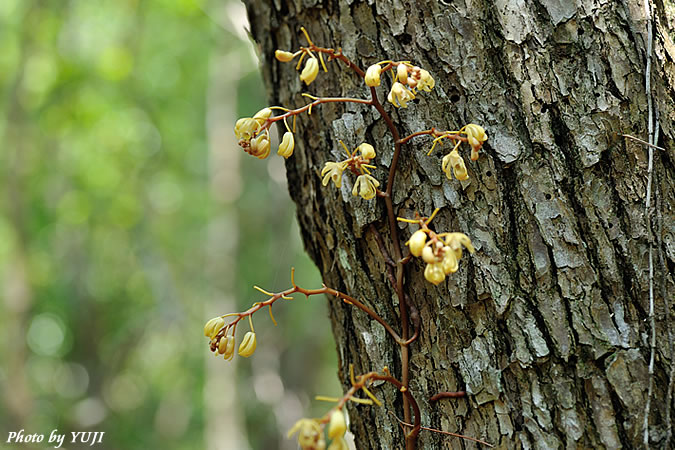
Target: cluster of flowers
357, 161
453, 163
441, 252
407, 80
224, 343
254, 135
310, 433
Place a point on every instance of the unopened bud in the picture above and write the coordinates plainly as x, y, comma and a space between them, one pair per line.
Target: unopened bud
373, 75
402, 73
213, 326
248, 344
416, 242
284, 56
434, 273
337, 425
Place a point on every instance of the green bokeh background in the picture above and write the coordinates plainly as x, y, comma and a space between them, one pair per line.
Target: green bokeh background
129, 217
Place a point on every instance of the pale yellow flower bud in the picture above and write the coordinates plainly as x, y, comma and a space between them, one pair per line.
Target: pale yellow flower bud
245, 128
365, 186
456, 240
287, 145
402, 73
333, 171
450, 264
434, 273
262, 116
367, 151
337, 425
226, 347
416, 242
284, 56
476, 136
455, 162
213, 326
310, 71
260, 146
426, 81
373, 75
248, 344
399, 96
428, 255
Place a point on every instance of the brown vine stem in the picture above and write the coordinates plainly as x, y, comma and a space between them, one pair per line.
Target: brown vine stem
434, 132
442, 395
362, 382
307, 292
337, 54
318, 101
393, 229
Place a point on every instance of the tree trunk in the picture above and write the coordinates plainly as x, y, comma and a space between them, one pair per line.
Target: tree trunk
546, 327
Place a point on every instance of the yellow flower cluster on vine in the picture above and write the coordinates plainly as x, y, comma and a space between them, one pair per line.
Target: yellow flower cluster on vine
223, 343
357, 161
441, 252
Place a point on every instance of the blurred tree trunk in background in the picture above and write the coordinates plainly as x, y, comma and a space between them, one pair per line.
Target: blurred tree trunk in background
547, 325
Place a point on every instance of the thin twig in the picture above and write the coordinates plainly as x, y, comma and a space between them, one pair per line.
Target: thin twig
307, 292
449, 433
643, 142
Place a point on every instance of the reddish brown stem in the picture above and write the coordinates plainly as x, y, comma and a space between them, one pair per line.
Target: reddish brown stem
337, 54
307, 292
442, 395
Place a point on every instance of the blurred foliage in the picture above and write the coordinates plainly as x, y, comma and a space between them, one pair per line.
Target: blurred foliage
107, 220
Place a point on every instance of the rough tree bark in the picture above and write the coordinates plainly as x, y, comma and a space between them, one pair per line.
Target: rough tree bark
546, 325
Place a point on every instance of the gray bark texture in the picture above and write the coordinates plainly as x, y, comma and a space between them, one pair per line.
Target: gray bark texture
546, 326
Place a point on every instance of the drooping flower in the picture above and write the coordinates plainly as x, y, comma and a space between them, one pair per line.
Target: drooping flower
426, 81
450, 263
402, 73
416, 242
245, 128
310, 71
333, 171
283, 55
262, 116
248, 344
399, 96
365, 186
434, 273
367, 150
456, 240
476, 136
226, 347
260, 146
337, 425
428, 255
310, 435
373, 75
287, 145
213, 326
455, 162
